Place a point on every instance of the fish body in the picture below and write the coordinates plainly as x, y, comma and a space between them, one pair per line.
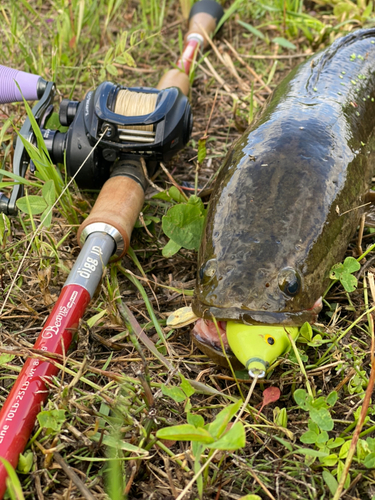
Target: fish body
285, 203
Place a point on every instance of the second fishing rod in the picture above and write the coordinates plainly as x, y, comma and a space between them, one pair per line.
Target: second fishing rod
109, 132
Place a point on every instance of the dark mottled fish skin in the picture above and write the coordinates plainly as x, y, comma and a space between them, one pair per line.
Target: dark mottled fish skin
274, 205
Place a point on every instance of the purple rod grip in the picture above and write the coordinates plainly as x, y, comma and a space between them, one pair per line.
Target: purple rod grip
9, 91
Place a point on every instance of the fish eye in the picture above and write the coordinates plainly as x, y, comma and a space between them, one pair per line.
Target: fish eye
269, 339
289, 282
208, 270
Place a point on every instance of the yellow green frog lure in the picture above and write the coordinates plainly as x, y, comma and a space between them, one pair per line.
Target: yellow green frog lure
257, 347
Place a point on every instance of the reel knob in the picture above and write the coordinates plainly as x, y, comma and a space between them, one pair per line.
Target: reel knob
67, 112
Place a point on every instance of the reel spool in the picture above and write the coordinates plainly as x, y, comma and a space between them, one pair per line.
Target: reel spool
130, 103
137, 121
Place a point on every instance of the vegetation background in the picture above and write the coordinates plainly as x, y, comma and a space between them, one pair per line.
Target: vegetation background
103, 419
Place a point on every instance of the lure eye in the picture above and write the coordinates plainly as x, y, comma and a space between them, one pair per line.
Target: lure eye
269, 339
289, 282
207, 271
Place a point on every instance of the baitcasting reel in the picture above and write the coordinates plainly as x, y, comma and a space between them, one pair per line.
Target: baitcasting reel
135, 121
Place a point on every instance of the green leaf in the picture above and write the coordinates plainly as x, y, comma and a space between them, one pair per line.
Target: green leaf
318, 403
371, 443
313, 426
305, 333
311, 453
250, 497
300, 397
343, 272
186, 386
162, 196
37, 204
176, 195
280, 417
362, 450
218, 426
202, 151
170, 249
322, 439
316, 341
351, 265
185, 432
336, 271
330, 481
196, 420
293, 358
118, 444
94, 319
147, 220
285, 443
284, 43
25, 462
195, 200
369, 461
197, 449
349, 282
53, 123
52, 419
322, 417
49, 193
344, 450
335, 443
309, 437
174, 393
332, 398
184, 225
329, 461
234, 439
112, 70
5, 358
5, 228
252, 30
46, 217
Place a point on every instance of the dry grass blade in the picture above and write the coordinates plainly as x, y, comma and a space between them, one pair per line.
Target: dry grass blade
73, 476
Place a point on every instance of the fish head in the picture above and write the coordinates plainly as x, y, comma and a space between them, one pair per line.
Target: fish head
272, 233
258, 291
257, 347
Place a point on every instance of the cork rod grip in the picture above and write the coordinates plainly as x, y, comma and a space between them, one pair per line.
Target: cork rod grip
175, 78
119, 203
202, 24
204, 17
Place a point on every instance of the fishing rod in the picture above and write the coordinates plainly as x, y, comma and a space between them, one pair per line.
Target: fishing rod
108, 118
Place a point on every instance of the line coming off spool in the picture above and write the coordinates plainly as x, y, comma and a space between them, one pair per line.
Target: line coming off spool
129, 103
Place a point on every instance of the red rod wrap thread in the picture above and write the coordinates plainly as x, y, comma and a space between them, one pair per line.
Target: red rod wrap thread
188, 55
17, 421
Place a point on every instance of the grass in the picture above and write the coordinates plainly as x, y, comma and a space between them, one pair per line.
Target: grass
114, 395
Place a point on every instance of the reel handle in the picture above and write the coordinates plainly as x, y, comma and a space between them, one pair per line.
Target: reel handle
32, 86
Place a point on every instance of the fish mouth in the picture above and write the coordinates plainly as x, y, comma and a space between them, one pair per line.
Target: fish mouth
215, 337
248, 317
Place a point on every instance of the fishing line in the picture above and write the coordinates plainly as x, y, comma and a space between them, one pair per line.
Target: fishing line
41, 224
130, 103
